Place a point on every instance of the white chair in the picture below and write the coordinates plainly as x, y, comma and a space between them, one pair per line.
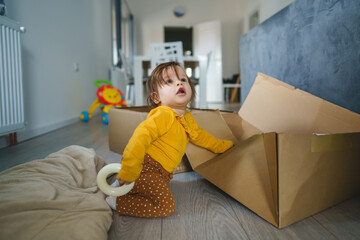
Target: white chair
166, 52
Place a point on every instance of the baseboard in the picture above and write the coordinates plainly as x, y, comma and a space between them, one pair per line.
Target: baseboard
4, 141
31, 133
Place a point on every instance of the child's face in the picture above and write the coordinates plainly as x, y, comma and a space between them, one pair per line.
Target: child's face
175, 92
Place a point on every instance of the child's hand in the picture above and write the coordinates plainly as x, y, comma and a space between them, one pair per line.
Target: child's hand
123, 182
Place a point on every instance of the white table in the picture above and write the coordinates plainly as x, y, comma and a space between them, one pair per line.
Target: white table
138, 79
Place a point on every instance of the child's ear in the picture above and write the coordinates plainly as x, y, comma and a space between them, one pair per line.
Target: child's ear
155, 97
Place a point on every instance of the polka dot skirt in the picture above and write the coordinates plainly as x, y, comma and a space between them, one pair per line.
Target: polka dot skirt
151, 195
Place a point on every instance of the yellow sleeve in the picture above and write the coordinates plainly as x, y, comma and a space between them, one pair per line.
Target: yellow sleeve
157, 123
206, 140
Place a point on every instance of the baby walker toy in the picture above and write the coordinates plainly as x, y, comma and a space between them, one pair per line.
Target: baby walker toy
108, 97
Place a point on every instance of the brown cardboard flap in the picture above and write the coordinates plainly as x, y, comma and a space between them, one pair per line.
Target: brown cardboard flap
270, 143
184, 166
136, 109
243, 173
213, 123
122, 124
241, 129
274, 106
313, 181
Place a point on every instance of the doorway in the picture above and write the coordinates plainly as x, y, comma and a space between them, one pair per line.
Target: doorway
183, 34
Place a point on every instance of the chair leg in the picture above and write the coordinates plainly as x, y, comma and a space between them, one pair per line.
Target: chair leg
234, 93
129, 95
13, 139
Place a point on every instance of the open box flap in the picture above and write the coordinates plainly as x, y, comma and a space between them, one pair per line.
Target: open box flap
248, 171
122, 125
213, 123
274, 106
241, 129
244, 130
243, 173
270, 143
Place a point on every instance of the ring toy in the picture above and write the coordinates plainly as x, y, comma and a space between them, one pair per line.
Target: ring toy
105, 187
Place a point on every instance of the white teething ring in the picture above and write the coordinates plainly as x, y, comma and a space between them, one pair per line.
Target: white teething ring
105, 187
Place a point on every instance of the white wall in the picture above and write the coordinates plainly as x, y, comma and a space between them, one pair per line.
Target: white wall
152, 16
266, 9
59, 34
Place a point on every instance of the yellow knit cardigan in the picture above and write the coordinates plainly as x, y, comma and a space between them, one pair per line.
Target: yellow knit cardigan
164, 135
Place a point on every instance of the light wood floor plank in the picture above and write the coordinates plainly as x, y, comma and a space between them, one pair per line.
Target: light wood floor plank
125, 227
201, 212
258, 228
342, 220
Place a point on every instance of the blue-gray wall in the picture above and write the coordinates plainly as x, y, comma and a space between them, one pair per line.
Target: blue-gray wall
313, 45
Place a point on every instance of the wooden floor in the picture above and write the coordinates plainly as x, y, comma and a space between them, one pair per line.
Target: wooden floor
202, 210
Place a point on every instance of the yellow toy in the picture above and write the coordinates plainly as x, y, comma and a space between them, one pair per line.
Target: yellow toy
108, 97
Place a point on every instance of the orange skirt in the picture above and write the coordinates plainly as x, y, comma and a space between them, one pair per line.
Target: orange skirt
151, 195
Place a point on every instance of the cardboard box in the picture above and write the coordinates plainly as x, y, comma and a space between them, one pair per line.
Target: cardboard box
295, 155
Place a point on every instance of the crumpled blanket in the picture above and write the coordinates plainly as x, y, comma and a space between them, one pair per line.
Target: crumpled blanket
54, 198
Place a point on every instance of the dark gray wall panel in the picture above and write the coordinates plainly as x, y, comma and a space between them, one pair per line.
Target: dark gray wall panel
313, 45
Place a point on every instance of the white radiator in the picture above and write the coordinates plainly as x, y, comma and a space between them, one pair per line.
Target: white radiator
11, 86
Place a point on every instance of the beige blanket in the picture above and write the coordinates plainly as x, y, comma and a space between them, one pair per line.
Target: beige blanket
54, 198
